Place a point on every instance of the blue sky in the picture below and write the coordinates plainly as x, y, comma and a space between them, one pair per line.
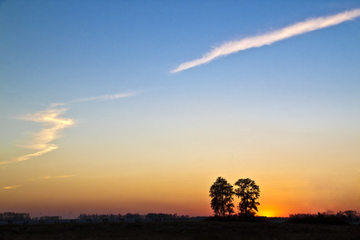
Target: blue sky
64, 51
299, 94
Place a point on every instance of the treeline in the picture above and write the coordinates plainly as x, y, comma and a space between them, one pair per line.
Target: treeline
153, 216
99, 216
11, 216
51, 218
164, 216
328, 217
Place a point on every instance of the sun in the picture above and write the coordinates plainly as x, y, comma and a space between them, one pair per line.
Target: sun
267, 213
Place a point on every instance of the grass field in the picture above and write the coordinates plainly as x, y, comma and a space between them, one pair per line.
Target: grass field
180, 231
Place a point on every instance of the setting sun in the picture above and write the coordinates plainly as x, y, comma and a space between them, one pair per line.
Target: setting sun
268, 213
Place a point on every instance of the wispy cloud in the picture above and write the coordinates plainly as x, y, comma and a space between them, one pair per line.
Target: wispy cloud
53, 177
106, 97
12, 187
36, 154
37, 179
271, 37
53, 105
96, 98
52, 125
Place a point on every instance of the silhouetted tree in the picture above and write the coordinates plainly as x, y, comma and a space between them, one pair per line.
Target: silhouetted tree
350, 215
248, 192
221, 193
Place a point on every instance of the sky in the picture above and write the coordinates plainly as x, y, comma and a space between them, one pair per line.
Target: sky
138, 106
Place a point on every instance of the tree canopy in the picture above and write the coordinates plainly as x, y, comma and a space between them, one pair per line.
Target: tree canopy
248, 192
221, 193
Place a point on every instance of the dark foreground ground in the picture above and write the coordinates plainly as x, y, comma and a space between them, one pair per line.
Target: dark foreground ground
180, 231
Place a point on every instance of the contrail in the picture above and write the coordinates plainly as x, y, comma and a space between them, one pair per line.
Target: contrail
105, 97
271, 37
97, 98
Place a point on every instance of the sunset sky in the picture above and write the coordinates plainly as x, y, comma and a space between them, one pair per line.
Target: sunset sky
138, 106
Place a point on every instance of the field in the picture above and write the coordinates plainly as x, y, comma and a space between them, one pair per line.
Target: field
180, 231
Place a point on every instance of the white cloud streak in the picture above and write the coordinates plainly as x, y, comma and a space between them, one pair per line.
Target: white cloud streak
54, 105
53, 124
105, 97
39, 153
271, 37
97, 98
